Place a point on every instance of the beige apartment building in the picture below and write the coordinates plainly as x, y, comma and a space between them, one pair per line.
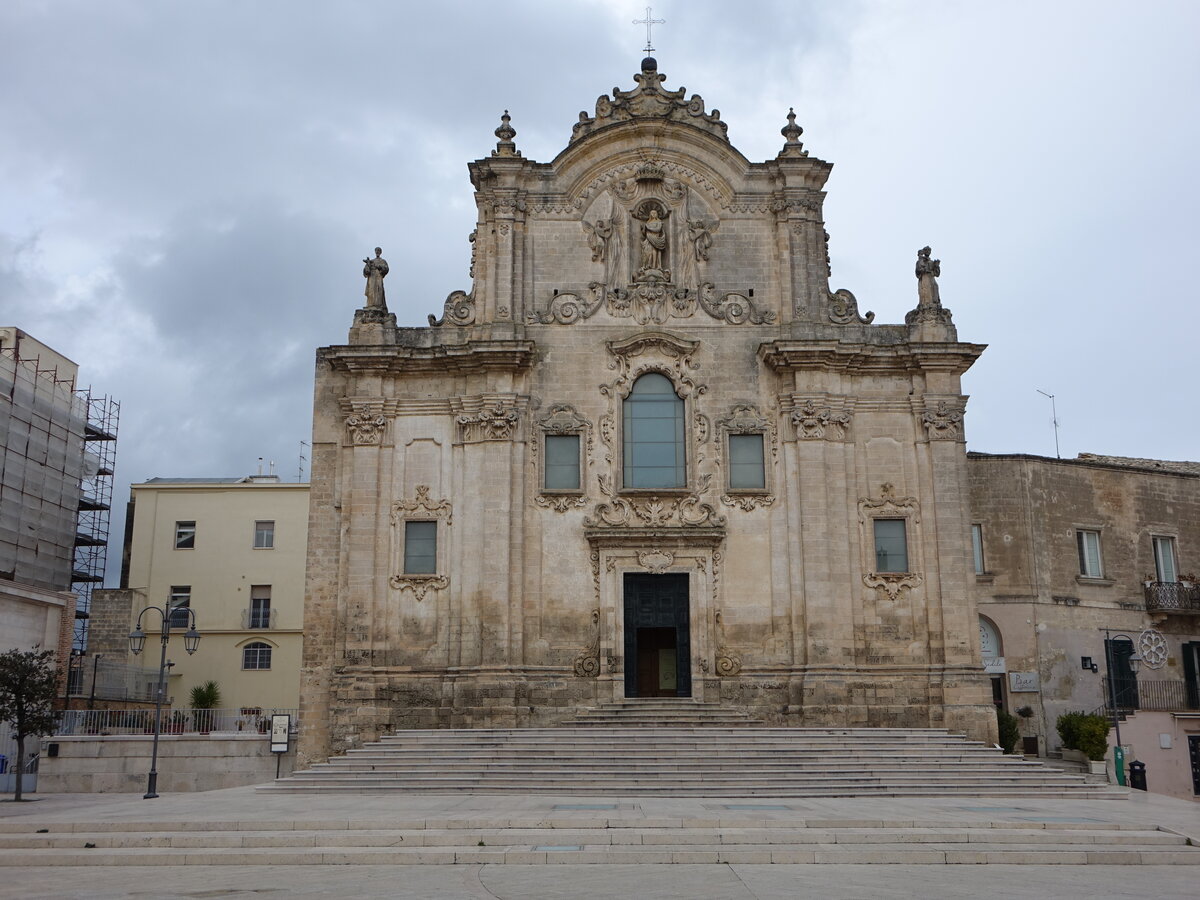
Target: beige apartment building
231, 552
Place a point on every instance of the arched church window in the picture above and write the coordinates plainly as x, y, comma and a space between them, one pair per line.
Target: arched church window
653, 437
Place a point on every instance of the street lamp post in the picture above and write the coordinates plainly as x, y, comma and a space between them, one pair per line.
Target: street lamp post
1134, 661
137, 640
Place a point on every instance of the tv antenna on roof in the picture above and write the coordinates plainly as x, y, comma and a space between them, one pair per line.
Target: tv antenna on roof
1053, 419
649, 22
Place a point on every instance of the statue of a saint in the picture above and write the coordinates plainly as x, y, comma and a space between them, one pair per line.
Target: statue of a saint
654, 242
374, 270
928, 270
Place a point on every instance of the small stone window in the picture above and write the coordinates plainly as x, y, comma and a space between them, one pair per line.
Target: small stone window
891, 546
1087, 542
562, 467
977, 549
1165, 568
747, 464
420, 548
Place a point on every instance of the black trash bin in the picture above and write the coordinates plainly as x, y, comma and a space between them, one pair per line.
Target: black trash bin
1137, 775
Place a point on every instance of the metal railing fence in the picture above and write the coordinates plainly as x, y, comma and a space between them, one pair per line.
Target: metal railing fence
246, 719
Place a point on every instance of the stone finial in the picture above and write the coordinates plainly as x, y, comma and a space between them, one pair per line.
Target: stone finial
791, 131
506, 146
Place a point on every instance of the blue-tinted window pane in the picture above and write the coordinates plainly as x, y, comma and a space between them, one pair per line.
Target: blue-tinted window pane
420, 548
562, 462
653, 440
746, 469
891, 546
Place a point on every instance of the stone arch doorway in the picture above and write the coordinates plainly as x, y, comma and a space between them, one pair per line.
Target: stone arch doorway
992, 650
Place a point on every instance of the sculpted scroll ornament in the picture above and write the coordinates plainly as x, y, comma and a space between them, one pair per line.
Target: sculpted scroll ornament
587, 663
459, 309
656, 561
495, 423
733, 308
892, 583
944, 423
728, 662
653, 511
422, 507
843, 309
420, 585
365, 428
814, 423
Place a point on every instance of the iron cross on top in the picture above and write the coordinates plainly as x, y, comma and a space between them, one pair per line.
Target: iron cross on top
649, 22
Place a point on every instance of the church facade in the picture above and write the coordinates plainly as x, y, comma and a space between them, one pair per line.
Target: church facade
650, 453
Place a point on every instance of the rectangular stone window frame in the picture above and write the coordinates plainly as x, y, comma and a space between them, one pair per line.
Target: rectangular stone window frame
1088, 553
185, 535
547, 437
878, 533
408, 533
260, 614
1166, 557
728, 437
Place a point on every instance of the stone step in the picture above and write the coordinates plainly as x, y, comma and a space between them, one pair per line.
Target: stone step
593, 841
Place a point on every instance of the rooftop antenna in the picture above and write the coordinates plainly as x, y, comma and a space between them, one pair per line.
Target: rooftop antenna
272, 469
649, 22
303, 460
1053, 419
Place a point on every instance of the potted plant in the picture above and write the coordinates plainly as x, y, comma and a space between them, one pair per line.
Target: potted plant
205, 699
177, 722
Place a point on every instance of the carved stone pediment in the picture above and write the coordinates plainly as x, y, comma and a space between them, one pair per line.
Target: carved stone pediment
422, 506
891, 584
888, 505
650, 100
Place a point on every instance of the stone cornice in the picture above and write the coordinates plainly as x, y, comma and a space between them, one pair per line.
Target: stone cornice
686, 536
791, 355
471, 356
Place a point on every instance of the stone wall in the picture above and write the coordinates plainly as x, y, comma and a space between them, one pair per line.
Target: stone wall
120, 763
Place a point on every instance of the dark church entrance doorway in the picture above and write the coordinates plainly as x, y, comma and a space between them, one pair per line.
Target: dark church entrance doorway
657, 636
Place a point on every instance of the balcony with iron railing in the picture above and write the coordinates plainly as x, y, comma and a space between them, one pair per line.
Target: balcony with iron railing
1162, 695
1173, 597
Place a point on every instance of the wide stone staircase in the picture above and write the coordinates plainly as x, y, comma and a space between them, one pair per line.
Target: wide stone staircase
682, 749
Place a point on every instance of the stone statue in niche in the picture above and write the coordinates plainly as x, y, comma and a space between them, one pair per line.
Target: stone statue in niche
375, 270
654, 250
928, 270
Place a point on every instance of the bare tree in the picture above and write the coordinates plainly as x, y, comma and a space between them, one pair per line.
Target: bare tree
28, 689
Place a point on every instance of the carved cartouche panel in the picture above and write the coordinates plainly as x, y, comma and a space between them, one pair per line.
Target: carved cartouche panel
944, 422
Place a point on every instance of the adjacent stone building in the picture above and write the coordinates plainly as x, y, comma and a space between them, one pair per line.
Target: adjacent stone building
650, 452
1082, 566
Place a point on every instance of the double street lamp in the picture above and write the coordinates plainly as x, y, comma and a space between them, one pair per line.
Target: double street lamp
1134, 664
137, 640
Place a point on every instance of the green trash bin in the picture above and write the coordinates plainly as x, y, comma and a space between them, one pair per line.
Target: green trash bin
1119, 764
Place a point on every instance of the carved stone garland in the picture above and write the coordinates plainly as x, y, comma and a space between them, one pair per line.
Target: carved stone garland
745, 419
889, 506
497, 422
422, 507
563, 419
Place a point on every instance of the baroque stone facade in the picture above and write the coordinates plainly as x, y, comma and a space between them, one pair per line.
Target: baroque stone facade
667, 445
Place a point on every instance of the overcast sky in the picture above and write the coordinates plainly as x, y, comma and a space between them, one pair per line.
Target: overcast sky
187, 190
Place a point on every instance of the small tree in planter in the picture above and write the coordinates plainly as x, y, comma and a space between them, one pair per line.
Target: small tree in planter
28, 689
205, 698
1009, 732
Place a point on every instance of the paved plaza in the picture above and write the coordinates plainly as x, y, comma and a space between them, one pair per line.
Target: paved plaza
517, 882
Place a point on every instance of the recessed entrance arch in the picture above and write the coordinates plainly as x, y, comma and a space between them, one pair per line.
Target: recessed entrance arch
657, 635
